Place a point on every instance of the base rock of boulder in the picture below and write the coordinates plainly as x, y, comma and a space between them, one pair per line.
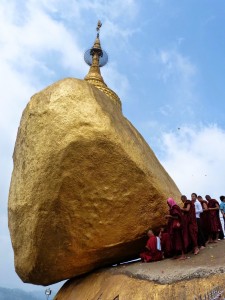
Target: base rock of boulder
85, 185
124, 287
196, 278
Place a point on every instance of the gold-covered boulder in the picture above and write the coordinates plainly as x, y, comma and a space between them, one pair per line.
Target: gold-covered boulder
85, 185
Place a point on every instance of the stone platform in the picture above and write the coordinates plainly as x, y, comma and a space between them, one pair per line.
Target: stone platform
167, 279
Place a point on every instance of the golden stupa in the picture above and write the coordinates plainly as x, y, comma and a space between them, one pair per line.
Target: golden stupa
94, 75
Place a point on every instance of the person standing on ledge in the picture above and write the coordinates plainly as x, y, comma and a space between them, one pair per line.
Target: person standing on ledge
190, 229
198, 211
153, 249
204, 218
215, 225
222, 209
166, 244
175, 228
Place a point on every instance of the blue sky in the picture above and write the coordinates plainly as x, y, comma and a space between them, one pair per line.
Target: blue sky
166, 63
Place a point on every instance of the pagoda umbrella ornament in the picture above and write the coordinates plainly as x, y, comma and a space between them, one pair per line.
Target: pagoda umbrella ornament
96, 56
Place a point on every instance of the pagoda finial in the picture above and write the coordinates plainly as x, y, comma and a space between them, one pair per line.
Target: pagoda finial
96, 58
99, 25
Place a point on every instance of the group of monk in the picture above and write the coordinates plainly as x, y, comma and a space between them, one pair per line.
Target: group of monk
189, 228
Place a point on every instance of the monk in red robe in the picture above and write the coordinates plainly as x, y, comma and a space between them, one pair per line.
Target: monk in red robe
166, 243
204, 218
175, 227
153, 249
190, 227
215, 225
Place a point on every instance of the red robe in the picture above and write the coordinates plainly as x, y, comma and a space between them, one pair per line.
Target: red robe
190, 228
151, 253
204, 219
214, 220
176, 234
166, 245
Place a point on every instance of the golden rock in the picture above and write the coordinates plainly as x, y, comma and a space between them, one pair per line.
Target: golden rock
85, 185
114, 287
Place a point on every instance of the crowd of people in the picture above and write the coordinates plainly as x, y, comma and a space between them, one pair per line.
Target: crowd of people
189, 228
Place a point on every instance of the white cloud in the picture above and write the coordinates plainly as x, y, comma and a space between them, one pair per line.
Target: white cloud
176, 66
112, 9
114, 30
26, 43
166, 110
179, 76
195, 159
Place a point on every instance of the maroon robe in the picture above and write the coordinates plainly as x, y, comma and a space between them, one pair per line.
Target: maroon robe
214, 220
204, 219
151, 253
166, 244
176, 234
190, 227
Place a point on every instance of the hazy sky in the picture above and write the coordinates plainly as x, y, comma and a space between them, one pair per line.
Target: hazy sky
166, 63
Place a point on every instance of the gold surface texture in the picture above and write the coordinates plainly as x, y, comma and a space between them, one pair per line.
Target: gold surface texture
107, 287
85, 185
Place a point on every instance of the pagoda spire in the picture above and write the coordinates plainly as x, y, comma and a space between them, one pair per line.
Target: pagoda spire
96, 58
96, 54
